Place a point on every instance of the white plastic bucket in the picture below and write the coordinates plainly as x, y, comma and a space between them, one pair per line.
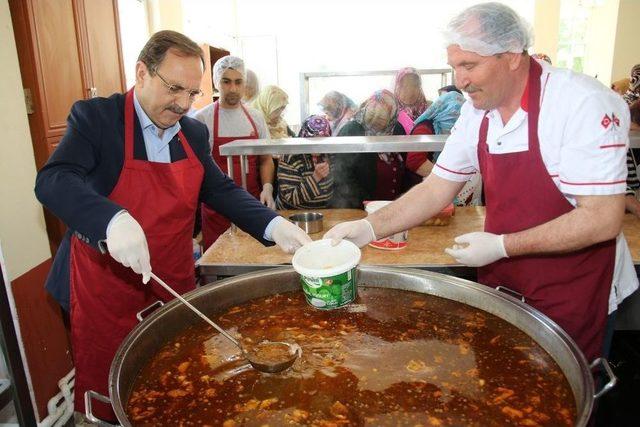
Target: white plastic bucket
328, 273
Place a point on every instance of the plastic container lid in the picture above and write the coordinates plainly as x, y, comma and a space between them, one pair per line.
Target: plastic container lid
320, 259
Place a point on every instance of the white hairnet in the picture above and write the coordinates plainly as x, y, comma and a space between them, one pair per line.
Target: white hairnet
488, 29
227, 63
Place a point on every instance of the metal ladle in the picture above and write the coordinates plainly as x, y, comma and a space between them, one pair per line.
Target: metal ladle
252, 355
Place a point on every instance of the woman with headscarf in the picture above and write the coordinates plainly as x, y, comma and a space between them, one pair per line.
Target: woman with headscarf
439, 119
381, 175
251, 87
305, 181
633, 93
271, 102
632, 98
338, 108
410, 97
444, 112
448, 88
621, 86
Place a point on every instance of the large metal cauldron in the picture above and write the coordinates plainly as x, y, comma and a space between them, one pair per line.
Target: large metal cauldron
146, 339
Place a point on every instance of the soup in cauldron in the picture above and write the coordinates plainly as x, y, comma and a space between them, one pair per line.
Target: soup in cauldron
392, 357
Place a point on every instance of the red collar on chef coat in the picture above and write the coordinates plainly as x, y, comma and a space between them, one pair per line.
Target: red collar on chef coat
524, 101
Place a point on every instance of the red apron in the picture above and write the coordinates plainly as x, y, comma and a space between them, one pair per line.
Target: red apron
214, 224
572, 289
105, 295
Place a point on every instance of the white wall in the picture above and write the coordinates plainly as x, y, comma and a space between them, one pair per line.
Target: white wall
626, 52
546, 25
22, 230
600, 40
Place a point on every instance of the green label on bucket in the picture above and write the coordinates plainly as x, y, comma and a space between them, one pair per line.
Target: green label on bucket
330, 292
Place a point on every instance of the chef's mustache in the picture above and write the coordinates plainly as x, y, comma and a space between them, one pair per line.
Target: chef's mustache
177, 109
471, 88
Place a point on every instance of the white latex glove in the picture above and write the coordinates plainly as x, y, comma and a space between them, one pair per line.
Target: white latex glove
481, 249
358, 232
289, 236
128, 245
266, 196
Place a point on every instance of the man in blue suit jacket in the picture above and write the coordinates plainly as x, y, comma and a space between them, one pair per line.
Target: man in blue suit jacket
84, 169
126, 179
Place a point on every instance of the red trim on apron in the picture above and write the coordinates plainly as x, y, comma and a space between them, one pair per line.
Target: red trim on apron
105, 295
572, 289
214, 224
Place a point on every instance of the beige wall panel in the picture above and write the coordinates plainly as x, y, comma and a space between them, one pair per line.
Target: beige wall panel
22, 230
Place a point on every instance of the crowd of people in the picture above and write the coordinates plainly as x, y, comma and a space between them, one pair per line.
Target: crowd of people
317, 181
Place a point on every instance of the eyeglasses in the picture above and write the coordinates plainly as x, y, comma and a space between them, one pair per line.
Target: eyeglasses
177, 90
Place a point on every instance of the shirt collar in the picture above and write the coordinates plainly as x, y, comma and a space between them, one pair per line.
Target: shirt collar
146, 123
524, 101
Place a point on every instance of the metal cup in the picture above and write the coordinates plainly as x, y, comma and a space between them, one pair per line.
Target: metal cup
310, 222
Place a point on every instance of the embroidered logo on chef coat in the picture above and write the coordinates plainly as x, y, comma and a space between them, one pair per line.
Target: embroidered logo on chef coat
616, 121
606, 121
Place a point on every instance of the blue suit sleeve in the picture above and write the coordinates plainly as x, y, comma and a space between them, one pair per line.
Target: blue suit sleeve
222, 194
61, 185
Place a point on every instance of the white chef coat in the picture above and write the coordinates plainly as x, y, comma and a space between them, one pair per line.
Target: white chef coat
583, 130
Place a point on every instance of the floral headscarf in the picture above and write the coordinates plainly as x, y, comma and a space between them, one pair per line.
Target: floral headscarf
633, 93
444, 112
421, 103
315, 126
342, 108
269, 100
381, 102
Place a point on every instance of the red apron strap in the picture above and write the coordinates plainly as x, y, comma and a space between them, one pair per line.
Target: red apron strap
216, 105
253, 124
533, 105
186, 146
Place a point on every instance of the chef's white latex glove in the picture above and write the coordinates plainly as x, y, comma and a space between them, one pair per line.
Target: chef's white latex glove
266, 196
481, 249
358, 232
289, 236
127, 244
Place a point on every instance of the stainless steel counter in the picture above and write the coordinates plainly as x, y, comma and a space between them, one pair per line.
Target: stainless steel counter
341, 144
348, 144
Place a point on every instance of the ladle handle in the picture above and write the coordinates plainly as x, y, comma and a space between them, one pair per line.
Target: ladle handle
195, 310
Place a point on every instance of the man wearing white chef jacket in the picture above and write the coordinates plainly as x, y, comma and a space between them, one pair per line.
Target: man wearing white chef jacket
550, 145
228, 119
126, 179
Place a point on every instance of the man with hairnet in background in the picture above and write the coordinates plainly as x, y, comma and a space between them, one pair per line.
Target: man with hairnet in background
228, 119
550, 145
